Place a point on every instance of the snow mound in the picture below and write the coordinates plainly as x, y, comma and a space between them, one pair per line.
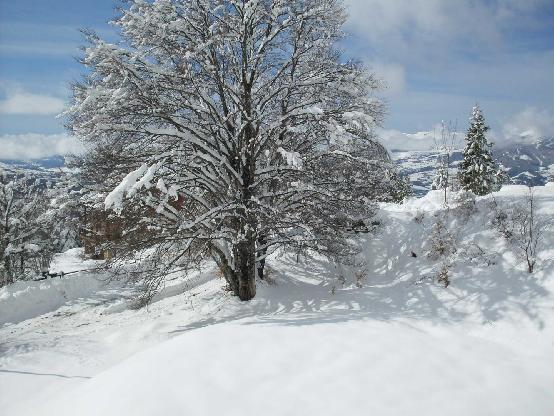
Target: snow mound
28, 299
315, 340
286, 368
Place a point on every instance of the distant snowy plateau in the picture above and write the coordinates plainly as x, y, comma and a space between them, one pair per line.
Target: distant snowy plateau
526, 164
316, 340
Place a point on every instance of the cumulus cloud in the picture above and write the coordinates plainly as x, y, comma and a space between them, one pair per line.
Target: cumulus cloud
393, 75
528, 126
22, 102
421, 28
397, 140
439, 57
415, 30
525, 127
36, 146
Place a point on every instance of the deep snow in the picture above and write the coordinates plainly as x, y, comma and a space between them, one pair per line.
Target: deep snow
307, 344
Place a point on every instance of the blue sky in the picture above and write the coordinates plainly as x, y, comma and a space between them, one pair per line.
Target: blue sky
438, 57
39, 41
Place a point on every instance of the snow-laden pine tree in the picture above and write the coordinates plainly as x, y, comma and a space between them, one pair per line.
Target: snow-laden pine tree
478, 172
236, 128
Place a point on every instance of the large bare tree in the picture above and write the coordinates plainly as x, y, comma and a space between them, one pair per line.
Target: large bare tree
236, 127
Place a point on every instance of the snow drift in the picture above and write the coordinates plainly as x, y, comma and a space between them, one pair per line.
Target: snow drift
318, 339
28, 299
290, 368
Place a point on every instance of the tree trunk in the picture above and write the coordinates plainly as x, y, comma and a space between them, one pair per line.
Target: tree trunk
245, 269
530, 265
241, 278
261, 252
8, 278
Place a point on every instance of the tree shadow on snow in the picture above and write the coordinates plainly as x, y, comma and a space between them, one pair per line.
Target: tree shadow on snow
400, 288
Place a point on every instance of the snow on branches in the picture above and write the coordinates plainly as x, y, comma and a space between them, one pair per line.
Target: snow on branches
478, 172
255, 131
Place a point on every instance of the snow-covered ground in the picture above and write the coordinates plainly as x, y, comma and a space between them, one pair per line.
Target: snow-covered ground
310, 343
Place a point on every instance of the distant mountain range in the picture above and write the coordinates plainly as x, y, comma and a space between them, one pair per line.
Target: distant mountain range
41, 172
526, 164
47, 163
529, 164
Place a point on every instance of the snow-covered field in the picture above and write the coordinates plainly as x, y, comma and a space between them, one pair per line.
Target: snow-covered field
310, 343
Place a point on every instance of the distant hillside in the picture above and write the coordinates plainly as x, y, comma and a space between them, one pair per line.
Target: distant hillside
45, 171
52, 162
527, 164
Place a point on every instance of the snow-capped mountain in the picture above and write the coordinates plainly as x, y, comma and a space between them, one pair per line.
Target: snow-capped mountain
47, 163
527, 164
43, 172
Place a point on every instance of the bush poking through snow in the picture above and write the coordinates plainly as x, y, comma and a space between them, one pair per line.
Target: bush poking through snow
474, 254
521, 226
443, 275
419, 217
442, 241
361, 276
465, 205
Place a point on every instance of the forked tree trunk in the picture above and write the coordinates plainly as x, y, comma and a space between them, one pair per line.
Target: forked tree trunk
530, 265
245, 269
242, 277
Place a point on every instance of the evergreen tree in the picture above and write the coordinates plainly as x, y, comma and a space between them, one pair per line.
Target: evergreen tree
441, 178
478, 171
399, 188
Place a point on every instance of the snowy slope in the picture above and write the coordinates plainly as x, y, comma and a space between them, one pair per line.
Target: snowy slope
321, 368
309, 343
23, 300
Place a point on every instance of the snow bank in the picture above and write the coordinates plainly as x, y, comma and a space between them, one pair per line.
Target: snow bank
28, 299
399, 343
24, 300
286, 368
434, 200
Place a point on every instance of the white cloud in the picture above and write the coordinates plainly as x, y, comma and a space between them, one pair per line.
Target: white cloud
420, 29
528, 126
396, 140
424, 29
36, 146
524, 127
23, 102
393, 75
439, 57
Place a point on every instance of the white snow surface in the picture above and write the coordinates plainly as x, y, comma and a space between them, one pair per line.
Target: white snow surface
307, 344
29, 299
